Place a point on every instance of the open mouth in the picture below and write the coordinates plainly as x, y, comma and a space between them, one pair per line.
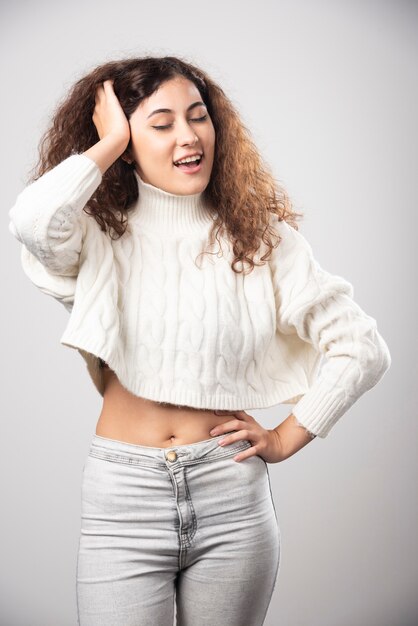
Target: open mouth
190, 164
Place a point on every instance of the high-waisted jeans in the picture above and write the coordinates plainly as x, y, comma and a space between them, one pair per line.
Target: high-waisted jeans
183, 527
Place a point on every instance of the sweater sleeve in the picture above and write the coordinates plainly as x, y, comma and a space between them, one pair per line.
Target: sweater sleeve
48, 217
319, 307
60, 287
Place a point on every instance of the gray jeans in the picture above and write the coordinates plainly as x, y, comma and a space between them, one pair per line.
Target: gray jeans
184, 527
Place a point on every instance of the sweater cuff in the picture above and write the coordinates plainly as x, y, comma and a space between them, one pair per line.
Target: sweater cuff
320, 408
329, 398
72, 183
74, 174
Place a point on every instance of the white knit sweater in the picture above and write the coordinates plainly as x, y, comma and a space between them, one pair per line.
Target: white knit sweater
195, 334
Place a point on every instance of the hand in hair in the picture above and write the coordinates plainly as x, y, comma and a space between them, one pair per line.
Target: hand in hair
108, 116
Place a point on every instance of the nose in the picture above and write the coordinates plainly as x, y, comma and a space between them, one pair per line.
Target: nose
186, 135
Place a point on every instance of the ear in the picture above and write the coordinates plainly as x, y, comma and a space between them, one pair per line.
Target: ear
127, 158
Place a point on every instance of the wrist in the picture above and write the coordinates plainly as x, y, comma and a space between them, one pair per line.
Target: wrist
106, 151
293, 435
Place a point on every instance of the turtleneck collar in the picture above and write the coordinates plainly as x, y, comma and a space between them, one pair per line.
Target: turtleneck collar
170, 213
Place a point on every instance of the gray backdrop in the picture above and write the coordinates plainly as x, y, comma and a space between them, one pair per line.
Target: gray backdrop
329, 91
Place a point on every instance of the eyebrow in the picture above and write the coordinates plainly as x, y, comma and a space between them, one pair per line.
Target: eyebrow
192, 106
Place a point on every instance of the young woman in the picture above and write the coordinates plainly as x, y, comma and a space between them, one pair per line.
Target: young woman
145, 164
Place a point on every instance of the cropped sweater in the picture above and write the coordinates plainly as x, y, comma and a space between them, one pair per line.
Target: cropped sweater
191, 331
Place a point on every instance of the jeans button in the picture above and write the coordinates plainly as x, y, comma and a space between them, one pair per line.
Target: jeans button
171, 455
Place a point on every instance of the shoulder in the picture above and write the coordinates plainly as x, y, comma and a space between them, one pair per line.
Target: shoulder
296, 266
291, 241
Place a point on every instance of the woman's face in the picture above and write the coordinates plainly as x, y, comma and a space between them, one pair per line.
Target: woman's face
187, 130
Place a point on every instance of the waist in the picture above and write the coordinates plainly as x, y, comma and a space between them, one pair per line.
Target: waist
137, 420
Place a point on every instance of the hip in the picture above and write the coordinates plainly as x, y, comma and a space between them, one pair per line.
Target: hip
124, 482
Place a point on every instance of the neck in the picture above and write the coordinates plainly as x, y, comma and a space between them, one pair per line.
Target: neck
170, 213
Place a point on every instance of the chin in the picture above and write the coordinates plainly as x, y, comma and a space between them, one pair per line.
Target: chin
190, 190
189, 187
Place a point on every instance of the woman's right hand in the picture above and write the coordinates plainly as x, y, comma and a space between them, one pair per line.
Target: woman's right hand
108, 116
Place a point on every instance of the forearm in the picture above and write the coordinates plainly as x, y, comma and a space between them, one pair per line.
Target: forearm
47, 216
292, 436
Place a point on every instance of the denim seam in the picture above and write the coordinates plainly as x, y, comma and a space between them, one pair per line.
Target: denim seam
126, 461
218, 456
280, 547
180, 527
192, 533
131, 461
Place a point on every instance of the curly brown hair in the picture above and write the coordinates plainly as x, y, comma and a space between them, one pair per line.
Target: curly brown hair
241, 187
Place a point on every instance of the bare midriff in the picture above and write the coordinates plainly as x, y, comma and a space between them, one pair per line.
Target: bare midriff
137, 420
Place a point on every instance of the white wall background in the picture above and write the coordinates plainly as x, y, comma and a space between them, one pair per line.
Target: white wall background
329, 91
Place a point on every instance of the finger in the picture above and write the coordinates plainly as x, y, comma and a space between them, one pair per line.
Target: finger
233, 437
108, 84
248, 453
225, 427
240, 414
99, 93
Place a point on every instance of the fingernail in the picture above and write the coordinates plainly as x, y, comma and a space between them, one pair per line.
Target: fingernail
212, 432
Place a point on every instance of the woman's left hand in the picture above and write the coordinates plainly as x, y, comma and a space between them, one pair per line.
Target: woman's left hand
265, 443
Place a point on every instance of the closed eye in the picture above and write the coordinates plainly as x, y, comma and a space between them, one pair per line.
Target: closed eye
197, 119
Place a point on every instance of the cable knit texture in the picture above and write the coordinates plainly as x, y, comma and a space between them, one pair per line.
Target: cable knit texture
187, 330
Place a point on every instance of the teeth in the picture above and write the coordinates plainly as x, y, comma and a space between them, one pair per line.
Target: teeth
189, 159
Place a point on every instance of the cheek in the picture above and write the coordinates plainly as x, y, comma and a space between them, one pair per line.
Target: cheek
151, 146
156, 154
213, 143
210, 142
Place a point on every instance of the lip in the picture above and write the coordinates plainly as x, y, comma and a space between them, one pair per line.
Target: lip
190, 170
